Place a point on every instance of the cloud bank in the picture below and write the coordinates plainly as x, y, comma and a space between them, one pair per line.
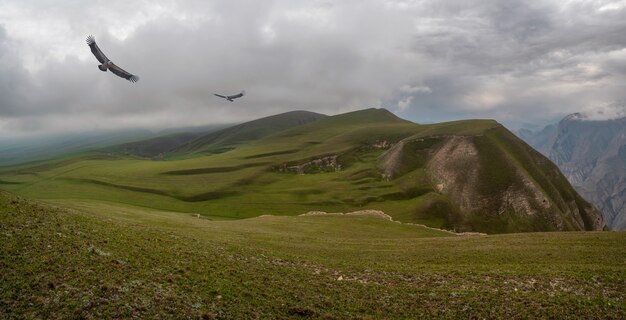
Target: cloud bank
515, 61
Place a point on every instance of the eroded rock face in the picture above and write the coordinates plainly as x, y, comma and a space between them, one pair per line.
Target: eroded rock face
454, 168
390, 161
605, 186
493, 186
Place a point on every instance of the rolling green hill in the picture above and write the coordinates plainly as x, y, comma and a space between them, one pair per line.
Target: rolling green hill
95, 260
185, 144
229, 138
471, 175
156, 147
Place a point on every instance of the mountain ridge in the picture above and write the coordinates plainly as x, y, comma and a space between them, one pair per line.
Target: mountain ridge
592, 155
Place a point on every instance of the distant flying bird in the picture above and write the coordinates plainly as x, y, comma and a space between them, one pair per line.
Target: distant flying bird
108, 64
231, 98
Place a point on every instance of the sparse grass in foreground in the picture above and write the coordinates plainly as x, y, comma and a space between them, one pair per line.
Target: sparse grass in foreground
107, 261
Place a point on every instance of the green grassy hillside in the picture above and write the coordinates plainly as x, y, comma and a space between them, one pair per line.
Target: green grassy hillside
229, 138
466, 175
156, 147
100, 260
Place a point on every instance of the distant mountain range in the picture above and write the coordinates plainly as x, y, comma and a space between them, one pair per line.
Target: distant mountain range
31, 149
471, 175
592, 155
14, 151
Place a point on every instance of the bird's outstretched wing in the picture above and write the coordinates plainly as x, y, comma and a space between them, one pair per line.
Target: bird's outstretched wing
239, 95
221, 96
123, 73
91, 41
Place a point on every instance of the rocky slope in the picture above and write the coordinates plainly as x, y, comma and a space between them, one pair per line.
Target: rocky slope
493, 182
592, 155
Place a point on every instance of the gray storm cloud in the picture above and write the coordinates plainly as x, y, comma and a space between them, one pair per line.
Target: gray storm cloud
515, 61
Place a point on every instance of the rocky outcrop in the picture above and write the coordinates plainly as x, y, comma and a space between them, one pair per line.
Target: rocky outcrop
323, 164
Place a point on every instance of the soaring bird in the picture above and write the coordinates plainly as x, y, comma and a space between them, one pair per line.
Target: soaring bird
108, 64
231, 98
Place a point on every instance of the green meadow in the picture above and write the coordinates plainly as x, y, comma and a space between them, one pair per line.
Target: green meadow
96, 260
246, 181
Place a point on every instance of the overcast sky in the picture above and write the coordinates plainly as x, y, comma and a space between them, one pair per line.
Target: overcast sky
427, 61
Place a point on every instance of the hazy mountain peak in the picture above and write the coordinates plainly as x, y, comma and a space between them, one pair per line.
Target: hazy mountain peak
612, 111
575, 116
590, 153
